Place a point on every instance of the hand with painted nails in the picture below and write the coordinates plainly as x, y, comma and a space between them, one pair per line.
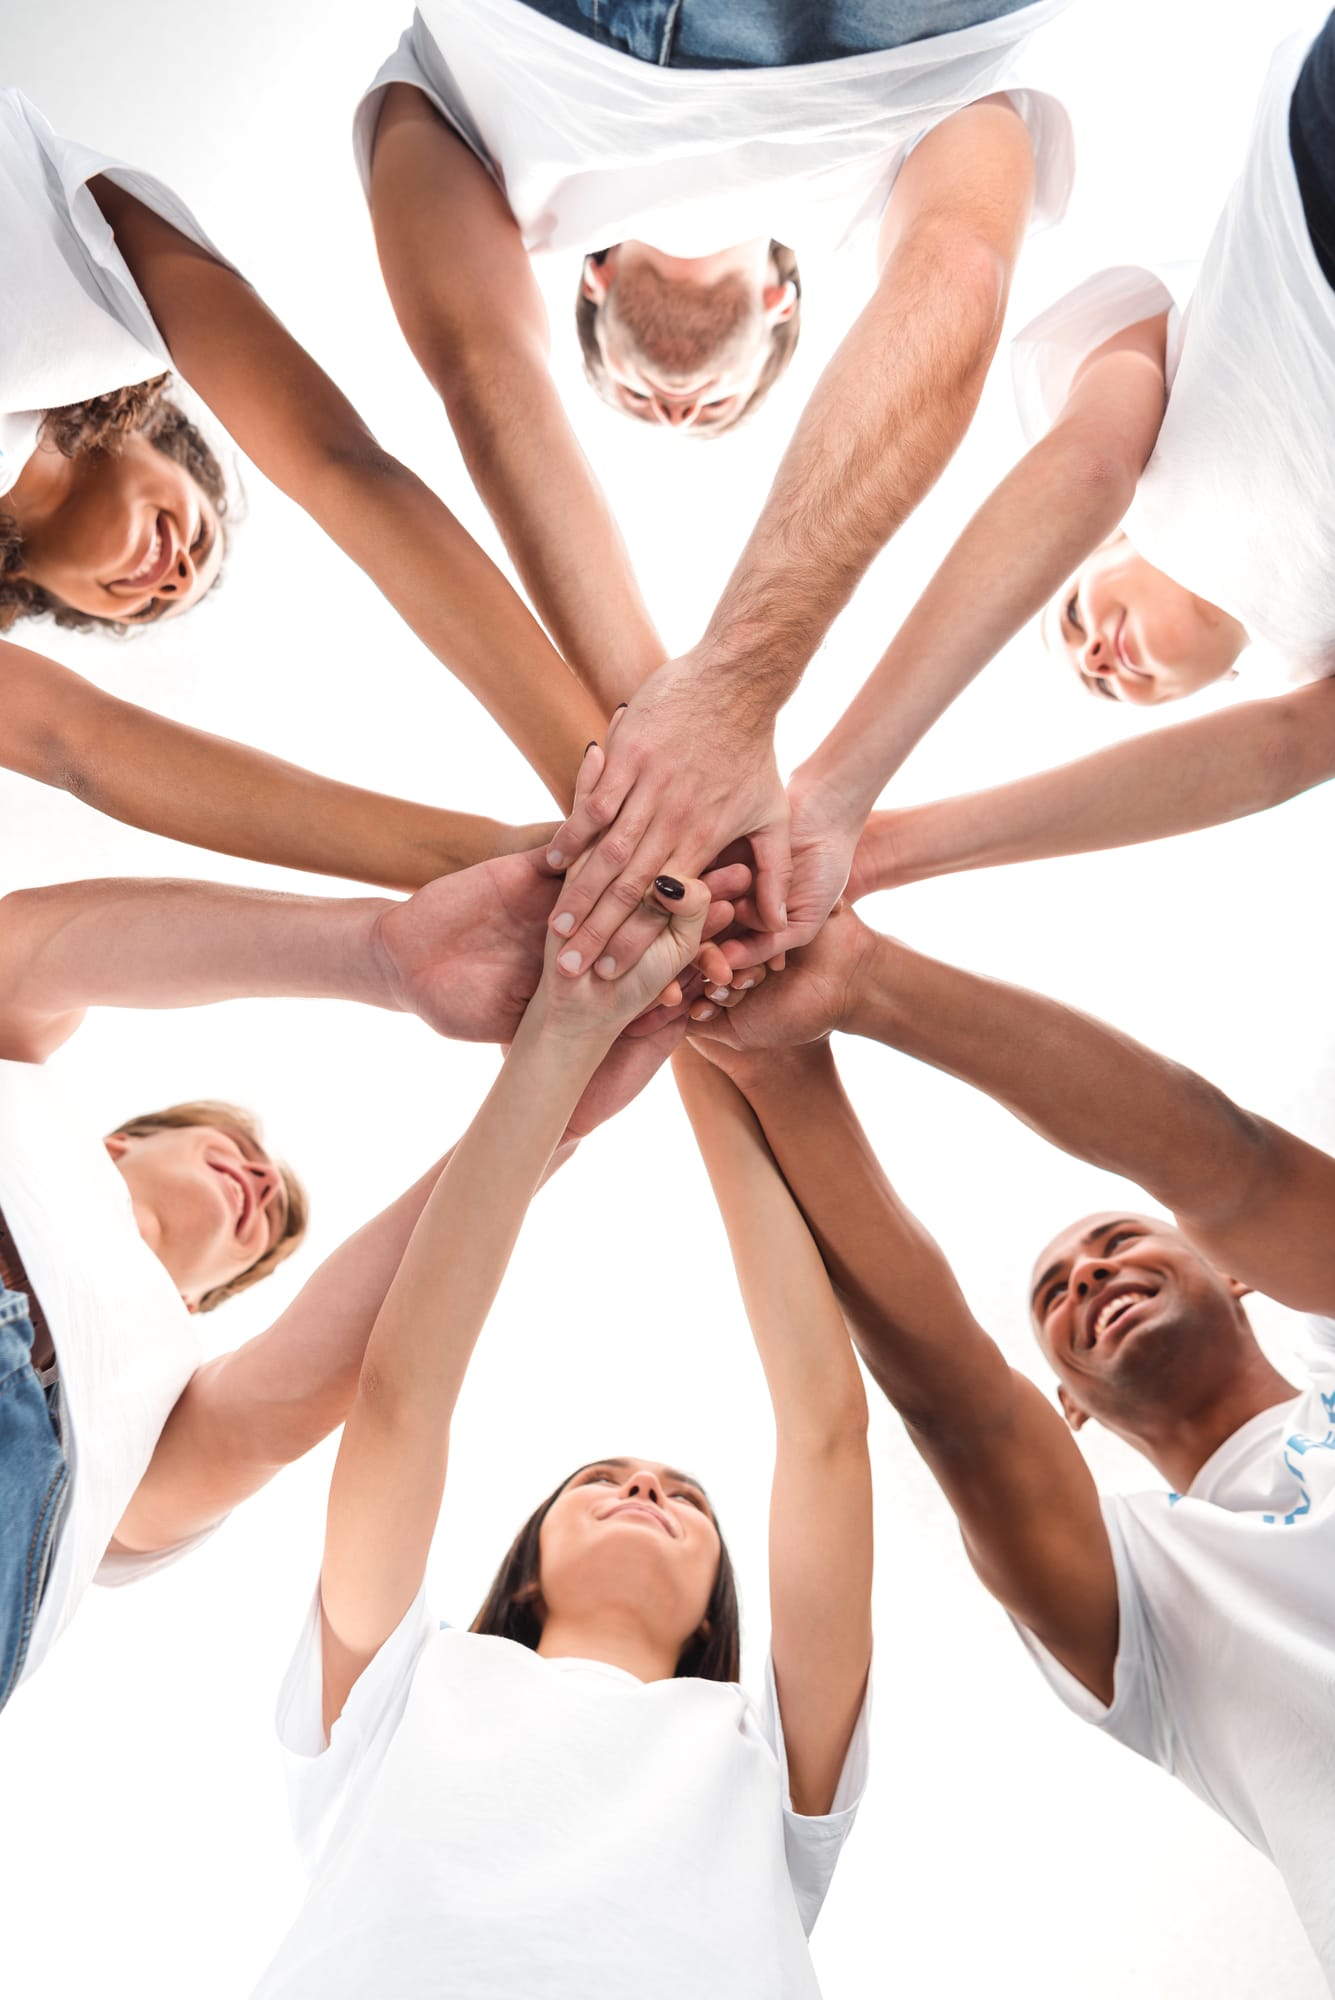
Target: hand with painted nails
682, 778
584, 1005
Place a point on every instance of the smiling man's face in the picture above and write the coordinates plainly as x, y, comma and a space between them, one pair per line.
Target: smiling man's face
1138, 1327
208, 1200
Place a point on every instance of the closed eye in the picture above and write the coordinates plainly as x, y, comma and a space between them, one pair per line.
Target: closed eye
1051, 1296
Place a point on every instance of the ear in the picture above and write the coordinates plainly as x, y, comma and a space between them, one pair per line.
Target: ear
1238, 1288
117, 1145
596, 279
191, 1305
1071, 1410
779, 302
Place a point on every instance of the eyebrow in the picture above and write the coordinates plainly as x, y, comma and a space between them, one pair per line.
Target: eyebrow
1090, 1237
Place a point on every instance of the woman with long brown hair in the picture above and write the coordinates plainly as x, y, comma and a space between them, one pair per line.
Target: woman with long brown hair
576, 1788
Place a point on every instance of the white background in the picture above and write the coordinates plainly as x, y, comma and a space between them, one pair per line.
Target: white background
1003, 1848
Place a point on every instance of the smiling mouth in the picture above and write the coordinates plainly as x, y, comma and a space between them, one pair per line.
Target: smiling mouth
1119, 647
244, 1195
1114, 1309
641, 1511
157, 560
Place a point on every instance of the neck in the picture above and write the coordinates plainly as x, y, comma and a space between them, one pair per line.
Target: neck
1180, 1447
616, 1638
41, 489
749, 260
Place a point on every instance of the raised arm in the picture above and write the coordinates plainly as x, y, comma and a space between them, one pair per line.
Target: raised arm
390, 1472
1256, 1200
306, 437
464, 292
1176, 780
692, 766
180, 782
1025, 1500
1064, 497
820, 1505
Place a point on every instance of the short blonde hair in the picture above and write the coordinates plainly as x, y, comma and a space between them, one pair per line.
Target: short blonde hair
230, 1117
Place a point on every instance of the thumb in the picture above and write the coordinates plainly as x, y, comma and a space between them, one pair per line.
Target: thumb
685, 902
774, 876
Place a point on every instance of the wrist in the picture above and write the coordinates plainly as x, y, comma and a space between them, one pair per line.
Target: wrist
819, 792
876, 991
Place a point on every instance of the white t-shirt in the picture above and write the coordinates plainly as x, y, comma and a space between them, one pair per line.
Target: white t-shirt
1238, 500
494, 1826
125, 1344
1226, 1657
591, 146
73, 322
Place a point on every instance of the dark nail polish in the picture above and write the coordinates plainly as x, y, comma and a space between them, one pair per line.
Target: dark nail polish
668, 885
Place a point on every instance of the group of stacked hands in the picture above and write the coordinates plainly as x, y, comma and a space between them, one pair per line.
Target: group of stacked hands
688, 905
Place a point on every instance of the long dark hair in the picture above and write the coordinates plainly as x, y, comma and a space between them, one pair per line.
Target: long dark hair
100, 427
514, 1609
783, 336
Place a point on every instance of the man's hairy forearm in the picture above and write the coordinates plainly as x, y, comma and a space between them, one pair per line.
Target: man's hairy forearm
881, 425
1078, 1082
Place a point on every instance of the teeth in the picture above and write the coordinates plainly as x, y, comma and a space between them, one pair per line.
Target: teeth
155, 550
1109, 1311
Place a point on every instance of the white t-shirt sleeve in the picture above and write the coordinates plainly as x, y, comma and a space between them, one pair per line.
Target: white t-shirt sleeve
321, 1775
813, 1843
1321, 1339
120, 1566
1137, 1715
419, 62
1049, 124
1047, 353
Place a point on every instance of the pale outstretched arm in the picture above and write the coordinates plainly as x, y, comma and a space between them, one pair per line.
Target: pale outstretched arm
1177, 780
820, 1506
305, 436
464, 292
180, 782
1006, 1462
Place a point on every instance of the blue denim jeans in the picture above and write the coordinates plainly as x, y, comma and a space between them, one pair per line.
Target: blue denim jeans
764, 34
34, 1488
1312, 143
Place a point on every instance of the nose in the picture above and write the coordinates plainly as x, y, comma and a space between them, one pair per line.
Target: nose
179, 578
678, 411
643, 1486
1087, 1276
1097, 656
264, 1180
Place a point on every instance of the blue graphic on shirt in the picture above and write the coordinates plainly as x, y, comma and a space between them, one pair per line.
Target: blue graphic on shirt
1298, 1447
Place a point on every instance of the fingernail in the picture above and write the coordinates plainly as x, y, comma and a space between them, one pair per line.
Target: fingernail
745, 985
570, 961
555, 858
620, 705
703, 1013
606, 967
592, 744
564, 924
783, 916
669, 886
719, 993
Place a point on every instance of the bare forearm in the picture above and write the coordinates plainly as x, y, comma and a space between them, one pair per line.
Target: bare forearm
1176, 780
800, 1335
880, 427
209, 792
462, 608
909, 1319
145, 943
1057, 505
541, 492
1078, 1082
